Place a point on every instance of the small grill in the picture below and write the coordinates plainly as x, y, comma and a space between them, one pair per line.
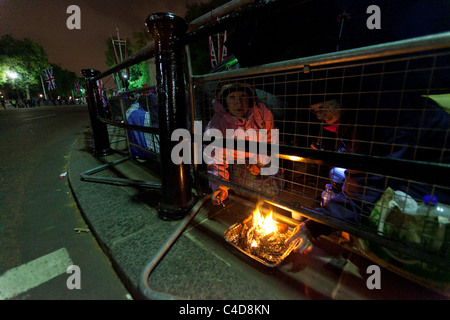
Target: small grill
268, 247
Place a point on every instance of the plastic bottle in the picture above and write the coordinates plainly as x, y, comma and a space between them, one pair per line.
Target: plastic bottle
433, 208
327, 195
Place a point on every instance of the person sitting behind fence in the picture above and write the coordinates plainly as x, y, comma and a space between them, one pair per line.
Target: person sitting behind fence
136, 115
331, 119
390, 132
236, 107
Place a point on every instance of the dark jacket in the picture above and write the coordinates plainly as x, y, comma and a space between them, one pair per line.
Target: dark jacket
417, 130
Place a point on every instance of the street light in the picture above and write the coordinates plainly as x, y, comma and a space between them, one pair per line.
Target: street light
12, 75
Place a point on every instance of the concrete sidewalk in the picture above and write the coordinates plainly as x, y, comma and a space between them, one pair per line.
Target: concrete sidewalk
201, 264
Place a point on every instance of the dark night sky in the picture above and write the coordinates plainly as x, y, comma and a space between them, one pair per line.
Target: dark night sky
44, 21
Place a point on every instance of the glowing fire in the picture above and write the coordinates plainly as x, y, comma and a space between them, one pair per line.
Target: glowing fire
261, 237
263, 225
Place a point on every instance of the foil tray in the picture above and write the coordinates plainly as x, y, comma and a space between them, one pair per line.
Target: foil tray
233, 233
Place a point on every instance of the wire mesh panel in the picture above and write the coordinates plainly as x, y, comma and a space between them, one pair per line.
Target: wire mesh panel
376, 131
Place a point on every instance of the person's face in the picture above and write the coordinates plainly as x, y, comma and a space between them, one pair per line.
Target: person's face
327, 111
238, 103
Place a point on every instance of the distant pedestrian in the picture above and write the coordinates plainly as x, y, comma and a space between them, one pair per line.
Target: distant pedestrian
3, 104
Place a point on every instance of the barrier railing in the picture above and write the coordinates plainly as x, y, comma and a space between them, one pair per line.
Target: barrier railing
377, 83
294, 83
168, 32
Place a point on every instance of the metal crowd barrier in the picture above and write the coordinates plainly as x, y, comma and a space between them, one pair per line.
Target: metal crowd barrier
398, 64
296, 83
368, 77
169, 34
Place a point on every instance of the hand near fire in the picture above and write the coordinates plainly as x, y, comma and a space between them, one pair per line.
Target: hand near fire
316, 146
219, 196
254, 169
303, 237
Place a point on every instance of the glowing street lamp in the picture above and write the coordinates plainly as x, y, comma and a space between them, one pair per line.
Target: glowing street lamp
12, 75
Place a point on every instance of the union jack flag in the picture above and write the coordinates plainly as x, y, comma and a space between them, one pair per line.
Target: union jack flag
50, 79
100, 89
101, 94
212, 52
77, 87
224, 50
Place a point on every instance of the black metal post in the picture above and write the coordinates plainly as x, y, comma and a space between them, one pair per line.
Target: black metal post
168, 31
99, 129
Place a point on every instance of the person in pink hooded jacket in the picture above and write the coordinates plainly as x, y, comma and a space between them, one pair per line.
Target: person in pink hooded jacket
236, 107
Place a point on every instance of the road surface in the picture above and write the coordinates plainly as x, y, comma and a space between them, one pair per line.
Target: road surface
39, 218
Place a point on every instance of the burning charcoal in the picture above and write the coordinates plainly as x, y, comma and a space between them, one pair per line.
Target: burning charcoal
266, 237
248, 219
261, 237
244, 229
282, 228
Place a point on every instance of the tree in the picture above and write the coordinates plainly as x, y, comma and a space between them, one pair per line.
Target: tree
139, 74
64, 80
199, 50
28, 59
24, 57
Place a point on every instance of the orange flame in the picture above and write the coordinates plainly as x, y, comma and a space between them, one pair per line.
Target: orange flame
264, 225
